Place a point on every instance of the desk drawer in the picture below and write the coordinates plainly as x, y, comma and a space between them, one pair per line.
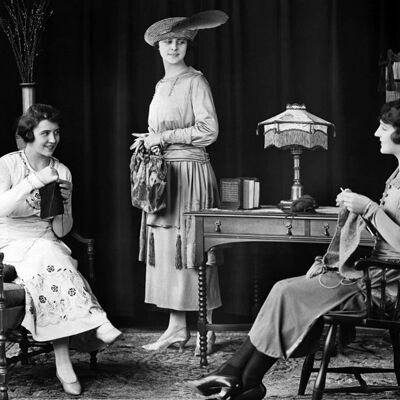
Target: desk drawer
327, 228
254, 226
322, 228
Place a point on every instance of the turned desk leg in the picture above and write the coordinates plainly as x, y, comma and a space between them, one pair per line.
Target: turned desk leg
256, 290
202, 319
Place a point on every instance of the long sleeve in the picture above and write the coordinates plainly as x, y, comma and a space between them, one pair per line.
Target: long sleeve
204, 131
384, 224
10, 197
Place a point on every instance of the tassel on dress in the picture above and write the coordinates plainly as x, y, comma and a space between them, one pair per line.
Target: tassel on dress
152, 258
178, 255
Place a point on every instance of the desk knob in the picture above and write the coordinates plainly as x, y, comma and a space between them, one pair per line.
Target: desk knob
289, 228
326, 229
217, 226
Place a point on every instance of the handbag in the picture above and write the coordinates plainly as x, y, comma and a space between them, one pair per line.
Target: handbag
148, 179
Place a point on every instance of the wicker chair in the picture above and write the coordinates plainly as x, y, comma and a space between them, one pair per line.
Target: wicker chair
384, 315
12, 311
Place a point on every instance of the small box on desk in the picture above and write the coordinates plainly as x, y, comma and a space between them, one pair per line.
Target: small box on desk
231, 193
239, 193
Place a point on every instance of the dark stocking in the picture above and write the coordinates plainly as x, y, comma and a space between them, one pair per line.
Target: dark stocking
256, 368
236, 364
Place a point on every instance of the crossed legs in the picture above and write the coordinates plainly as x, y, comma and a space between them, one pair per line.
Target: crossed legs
240, 377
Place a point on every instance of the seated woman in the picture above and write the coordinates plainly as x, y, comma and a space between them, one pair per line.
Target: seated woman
287, 324
59, 301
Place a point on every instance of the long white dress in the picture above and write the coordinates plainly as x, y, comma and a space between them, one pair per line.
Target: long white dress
59, 301
183, 112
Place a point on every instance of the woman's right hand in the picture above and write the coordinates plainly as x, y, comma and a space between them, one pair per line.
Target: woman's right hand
138, 141
354, 202
47, 175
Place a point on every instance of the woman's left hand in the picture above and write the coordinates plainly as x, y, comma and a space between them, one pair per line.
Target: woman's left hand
354, 202
65, 188
153, 139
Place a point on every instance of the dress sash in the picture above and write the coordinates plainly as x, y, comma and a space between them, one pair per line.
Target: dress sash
182, 152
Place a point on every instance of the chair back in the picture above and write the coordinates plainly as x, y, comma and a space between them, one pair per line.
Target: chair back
383, 299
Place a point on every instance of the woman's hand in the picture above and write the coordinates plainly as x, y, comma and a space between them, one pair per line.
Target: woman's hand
139, 140
153, 139
47, 175
136, 143
65, 188
354, 202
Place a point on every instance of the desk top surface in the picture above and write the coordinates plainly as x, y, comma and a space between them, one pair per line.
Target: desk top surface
269, 211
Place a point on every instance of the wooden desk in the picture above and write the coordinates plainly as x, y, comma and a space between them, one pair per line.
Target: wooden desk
216, 227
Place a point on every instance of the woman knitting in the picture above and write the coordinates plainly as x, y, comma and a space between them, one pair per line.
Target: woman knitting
287, 324
60, 306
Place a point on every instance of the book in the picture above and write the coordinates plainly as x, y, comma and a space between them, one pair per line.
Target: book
250, 197
51, 201
256, 194
246, 190
240, 193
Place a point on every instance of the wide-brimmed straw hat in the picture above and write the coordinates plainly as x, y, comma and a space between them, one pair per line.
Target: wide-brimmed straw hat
184, 27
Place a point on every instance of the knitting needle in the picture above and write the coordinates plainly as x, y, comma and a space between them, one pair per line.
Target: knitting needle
366, 222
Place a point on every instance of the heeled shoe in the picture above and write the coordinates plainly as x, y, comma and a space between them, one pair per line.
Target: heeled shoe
73, 388
180, 337
211, 338
108, 333
256, 393
212, 384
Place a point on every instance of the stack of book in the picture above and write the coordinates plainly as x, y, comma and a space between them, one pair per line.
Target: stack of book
240, 193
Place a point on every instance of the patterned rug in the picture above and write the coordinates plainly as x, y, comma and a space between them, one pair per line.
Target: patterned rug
126, 371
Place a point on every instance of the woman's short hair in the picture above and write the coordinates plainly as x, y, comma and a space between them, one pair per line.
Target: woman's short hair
32, 117
390, 114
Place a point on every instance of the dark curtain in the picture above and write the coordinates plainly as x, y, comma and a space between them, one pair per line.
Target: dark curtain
95, 66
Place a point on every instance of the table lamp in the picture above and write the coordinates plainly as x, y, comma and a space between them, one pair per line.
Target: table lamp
295, 129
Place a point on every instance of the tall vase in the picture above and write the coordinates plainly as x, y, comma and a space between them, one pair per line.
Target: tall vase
28, 98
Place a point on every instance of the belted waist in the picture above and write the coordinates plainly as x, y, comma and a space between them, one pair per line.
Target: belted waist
176, 152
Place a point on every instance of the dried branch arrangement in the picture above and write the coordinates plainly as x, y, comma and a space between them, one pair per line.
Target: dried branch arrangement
23, 27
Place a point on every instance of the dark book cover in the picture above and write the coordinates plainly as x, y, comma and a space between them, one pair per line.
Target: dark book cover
51, 201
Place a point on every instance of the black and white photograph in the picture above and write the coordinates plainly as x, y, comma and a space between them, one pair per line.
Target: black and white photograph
200, 199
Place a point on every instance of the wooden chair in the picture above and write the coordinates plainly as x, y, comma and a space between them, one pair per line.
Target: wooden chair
12, 311
381, 312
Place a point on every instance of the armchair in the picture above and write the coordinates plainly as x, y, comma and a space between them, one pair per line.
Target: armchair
12, 311
382, 312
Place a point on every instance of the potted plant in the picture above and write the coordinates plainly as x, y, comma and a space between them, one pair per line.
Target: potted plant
23, 27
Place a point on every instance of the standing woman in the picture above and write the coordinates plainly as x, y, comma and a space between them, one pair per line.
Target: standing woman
59, 302
182, 121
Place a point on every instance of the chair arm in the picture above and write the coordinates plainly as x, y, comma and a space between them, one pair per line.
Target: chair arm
81, 239
367, 262
89, 242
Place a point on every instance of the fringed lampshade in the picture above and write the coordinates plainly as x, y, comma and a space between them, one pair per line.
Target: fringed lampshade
295, 129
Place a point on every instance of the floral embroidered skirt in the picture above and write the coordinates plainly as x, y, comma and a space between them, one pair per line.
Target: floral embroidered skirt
59, 301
